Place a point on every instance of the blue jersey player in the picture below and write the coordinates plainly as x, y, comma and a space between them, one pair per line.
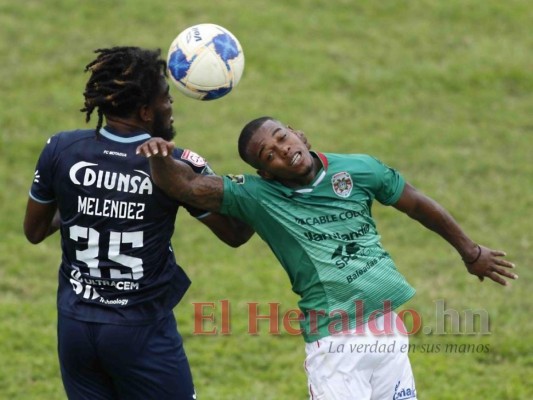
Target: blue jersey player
118, 278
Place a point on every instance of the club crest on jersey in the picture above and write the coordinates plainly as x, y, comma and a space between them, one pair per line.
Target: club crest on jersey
193, 158
342, 184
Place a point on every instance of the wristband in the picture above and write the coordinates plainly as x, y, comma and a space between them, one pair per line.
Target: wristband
477, 257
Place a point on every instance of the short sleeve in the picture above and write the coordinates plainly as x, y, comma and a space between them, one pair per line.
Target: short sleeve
389, 182
42, 188
240, 199
200, 166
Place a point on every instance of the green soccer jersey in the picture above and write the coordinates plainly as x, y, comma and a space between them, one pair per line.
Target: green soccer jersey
325, 238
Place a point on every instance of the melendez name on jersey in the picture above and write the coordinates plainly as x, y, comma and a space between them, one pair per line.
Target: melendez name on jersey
118, 265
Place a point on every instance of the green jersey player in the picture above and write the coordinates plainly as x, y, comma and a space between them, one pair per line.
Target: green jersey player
325, 238
314, 211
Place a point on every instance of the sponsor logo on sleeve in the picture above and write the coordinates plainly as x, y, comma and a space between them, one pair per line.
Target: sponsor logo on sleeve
193, 158
239, 179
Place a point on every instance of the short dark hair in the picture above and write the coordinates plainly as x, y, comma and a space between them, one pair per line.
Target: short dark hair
246, 134
122, 79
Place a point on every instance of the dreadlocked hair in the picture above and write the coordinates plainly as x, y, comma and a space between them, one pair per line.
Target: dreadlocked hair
122, 79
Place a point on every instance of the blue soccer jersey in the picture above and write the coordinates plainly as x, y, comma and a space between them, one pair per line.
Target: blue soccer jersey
118, 265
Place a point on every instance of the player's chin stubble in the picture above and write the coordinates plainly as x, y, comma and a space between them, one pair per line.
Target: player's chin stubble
162, 131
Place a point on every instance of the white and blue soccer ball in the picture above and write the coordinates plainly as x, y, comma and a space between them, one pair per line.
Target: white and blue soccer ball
205, 61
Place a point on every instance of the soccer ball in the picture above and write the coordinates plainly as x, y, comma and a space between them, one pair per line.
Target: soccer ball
205, 61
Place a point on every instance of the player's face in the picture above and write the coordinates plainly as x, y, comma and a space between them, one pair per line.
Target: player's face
162, 108
279, 153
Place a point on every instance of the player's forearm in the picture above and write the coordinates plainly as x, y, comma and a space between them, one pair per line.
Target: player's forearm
435, 218
171, 177
180, 182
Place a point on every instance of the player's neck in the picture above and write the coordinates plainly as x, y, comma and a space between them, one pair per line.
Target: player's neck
125, 126
307, 178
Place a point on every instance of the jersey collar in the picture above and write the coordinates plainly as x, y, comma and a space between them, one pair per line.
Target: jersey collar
105, 132
319, 177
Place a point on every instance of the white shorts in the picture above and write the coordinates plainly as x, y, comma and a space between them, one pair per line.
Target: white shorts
362, 366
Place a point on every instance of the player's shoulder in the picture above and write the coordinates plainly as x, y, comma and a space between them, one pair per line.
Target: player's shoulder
64, 139
247, 187
254, 186
351, 159
357, 164
244, 179
193, 159
75, 134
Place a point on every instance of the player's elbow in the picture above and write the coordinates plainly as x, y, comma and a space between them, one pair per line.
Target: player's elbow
236, 242
241, 237
35, 232
232, 239
233, 244
229, 230
33, 236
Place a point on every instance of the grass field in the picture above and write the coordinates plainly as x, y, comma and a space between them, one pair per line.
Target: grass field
441, 90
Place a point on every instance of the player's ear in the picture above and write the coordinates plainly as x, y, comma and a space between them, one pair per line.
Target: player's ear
301, 135
264, 174
146, 113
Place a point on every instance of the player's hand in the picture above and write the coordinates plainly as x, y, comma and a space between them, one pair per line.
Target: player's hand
155, 147
489, 263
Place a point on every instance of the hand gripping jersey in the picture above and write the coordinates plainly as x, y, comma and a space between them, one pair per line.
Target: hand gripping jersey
325, 238
117, 265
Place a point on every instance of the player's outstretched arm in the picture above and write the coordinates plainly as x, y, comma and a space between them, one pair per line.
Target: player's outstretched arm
178, 180
479, 260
